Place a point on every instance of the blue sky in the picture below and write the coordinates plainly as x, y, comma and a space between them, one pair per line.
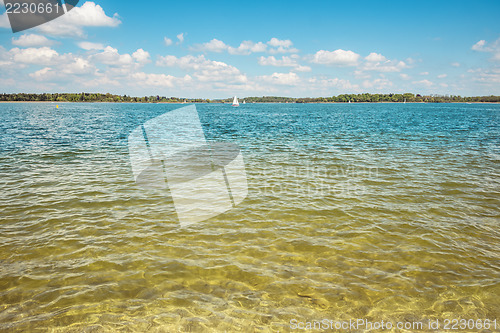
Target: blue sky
287, 48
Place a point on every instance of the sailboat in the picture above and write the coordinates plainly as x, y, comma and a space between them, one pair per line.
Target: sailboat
404, 101
235, 101
244, 102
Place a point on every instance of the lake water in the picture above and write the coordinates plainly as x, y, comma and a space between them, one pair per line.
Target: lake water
357, 211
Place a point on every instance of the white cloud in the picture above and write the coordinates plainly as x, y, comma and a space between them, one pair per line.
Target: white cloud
158, 80
479, 46
378, 84
42, 74
38, 56
247, 47
204, 69
275, 42
281, 78
77, 66
424, 73
282, 49
281, 46
493, 48
122, 63
404, 76
99, 81
455, 64
72, 23
442, 76
180, 37
283, 62
426, 83
272, 61
410, 61
65, 66
486, 76
141, 56
167, 41
375, 57
186, 62
385, 67
90, 46
110, 56
29, 40
4, 21
322, 83
214, 45
338, 57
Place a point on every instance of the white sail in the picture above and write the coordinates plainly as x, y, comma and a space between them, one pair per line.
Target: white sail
244, 102
235, 101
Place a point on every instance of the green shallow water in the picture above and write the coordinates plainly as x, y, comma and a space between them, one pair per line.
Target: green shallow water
374, 211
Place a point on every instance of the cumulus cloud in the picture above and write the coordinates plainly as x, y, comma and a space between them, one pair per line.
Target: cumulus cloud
455, 64
378, 84
442, 76
281, 46
77, 66
214, 45
37, 56
110, 56
322, 83
72, 23
120, 64
43, 74
30, 40
204, 69
88, 46
4, 21
493, 48
424, 73
141, 56
426, 83
180, 37
375, 57
337, 58
479, 46
281, 78
247, 47
66, 65
384, 66
283, 62
486, 76
167, 41
275, 42
404, 76
158, 80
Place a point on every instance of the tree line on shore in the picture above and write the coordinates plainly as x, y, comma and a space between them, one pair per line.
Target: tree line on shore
344, 98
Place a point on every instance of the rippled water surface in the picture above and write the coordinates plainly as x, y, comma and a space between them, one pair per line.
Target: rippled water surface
376, 211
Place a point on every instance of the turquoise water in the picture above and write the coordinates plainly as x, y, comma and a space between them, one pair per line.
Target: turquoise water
373, 211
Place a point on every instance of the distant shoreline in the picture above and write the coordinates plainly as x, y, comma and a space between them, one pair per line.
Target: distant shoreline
108, 102
342, 98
